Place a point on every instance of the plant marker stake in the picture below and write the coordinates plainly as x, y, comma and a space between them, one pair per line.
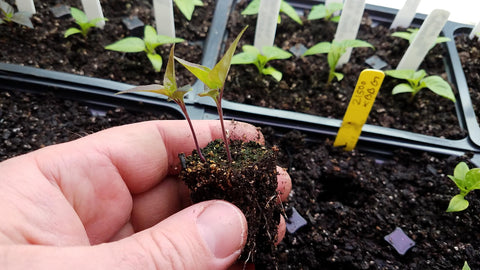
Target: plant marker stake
348, 25
475, 31
266, 23
26, 6
93, 10
405, 15
361, 103
424, 40
165, 24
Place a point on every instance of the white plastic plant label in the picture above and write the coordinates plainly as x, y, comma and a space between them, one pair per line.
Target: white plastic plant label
163, 11
475, 31
405, 15
348, 25
266, 23
93, 10
424, 40
26, 6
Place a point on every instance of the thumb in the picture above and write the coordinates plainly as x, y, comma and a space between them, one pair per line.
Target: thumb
207, 235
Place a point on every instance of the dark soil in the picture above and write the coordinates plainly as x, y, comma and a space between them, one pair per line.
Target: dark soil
304, 89
469, 53
350, 200
249, 182
45, 47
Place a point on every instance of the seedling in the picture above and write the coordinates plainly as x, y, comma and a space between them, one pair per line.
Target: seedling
8, 15
251, 55
466, 266
172, 92
325, 12
412, 32
148, 44
214, 80
285, 7
335, 50
81, 20
187, 7
466, 180
417, 80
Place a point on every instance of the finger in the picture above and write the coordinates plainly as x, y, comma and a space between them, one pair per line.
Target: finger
284, 184
208, 235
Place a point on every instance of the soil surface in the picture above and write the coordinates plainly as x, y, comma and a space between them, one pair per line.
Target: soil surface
350, 200
45, 47
469, 53
304, 89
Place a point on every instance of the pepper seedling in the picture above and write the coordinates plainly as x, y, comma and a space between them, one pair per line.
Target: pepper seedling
187, 7
214, 80
172, 92
285, 7
251, 55
466, 180
417, 80
327, 12
148, 44
8, 15
335, 50
466, 266
412, 33
81, 20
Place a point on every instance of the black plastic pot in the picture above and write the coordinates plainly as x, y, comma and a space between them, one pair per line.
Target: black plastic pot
323, 125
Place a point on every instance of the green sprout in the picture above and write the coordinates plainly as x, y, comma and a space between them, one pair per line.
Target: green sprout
325, 12
214, 80
251, 55
412, 33
417, 80
148, 44
466, 266
8, 15
466, 180
172, 92
187, 7
81, 20
285, 7
335, 50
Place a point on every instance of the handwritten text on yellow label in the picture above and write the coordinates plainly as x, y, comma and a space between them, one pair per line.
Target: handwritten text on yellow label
361, 103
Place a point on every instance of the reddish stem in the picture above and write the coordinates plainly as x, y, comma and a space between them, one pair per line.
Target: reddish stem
218, 101
184, 110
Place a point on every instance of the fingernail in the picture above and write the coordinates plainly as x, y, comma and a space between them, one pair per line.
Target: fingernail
223, 228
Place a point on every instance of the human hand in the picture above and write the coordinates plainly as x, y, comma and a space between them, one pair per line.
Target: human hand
112, 200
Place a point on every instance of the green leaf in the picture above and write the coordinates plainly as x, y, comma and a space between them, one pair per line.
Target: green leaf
402, 88
404, 35
460, 171
273, 53
199, 71
187, 7
169, 80
72, 31
457, 203
334, 7
22, 18
354, 43
219, 73
290, 12
442, 39
129, 45
472, 179
322, 47
277, 75
252, 8
317, 12
79, 16
162, 39
466, 266
338, 75
156, 61
439, 87
404, 74
244, 58
94, 22
150, 38
336, 19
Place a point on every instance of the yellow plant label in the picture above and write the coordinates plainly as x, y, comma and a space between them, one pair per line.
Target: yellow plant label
361, 103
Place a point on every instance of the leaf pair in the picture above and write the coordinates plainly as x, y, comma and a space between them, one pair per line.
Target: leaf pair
335, 50
81, 20
417, 80
251, 55
187, 7
466, 180
148, 44
8, 14
325, 12
285, 7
